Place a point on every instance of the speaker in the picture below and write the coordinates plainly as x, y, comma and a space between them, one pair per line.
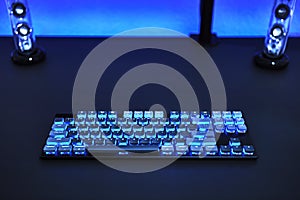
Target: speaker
26, 51
273, 55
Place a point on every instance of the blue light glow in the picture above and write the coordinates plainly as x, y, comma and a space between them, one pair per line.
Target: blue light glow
105, 18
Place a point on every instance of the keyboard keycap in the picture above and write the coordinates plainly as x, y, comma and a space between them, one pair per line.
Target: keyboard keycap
95, 134
131, 121
99, 142
192, 128
179, 141
225, 150
88, 142
248, 150
102, 115
148, 128
83, 128
133, 141
73, 134
164, 121
143, 121
50, 149
156, 141
122, 121
229, 121
94, 127
219, 129
193, 141
242, 128
144, 141
170, 128
167, 141
112, 115
122, 142
111, 121
237, 114
92, 115
211, 150
115, 128
81, 114
69, 121
194, 114
58, 141
154, 121
196, 150
58, 134
118, 134
139, 134
126, 128
129, 134
174, 115
226, 114
185, 134
216, 114
204, 114
209, 142
79, 150
185, 121
234, 142
59, 127
237, 150
127, 114
173, 134
167, 148
159, 128
59, 121
158, 114
230, 129
239, 121
148, 114
104, 127
184, 115
181, 149
162, 134
138, 114
175, 121
65, 150
181, 128
150, 134
198, 134
111, 149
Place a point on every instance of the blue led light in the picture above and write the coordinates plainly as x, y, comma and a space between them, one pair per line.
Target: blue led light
242, 128
102, 114
174, 114
58, 134
59, 121
239, 121
59, 127
230, 129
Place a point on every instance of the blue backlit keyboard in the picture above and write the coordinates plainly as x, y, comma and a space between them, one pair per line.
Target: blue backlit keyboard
149, 134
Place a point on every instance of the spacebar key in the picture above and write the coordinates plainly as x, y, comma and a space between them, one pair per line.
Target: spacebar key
113, 148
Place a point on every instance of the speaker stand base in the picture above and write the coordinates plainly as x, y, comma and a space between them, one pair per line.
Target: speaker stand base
34, 57
276, 63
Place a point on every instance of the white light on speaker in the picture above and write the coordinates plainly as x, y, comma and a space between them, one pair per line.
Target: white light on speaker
18, 10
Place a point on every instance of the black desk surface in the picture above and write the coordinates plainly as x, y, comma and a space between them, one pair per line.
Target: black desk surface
30, 96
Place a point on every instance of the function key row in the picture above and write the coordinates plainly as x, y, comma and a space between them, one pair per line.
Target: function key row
160, 114
61, 122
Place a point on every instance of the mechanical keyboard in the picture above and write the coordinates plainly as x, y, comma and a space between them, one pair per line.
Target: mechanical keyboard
149, 134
